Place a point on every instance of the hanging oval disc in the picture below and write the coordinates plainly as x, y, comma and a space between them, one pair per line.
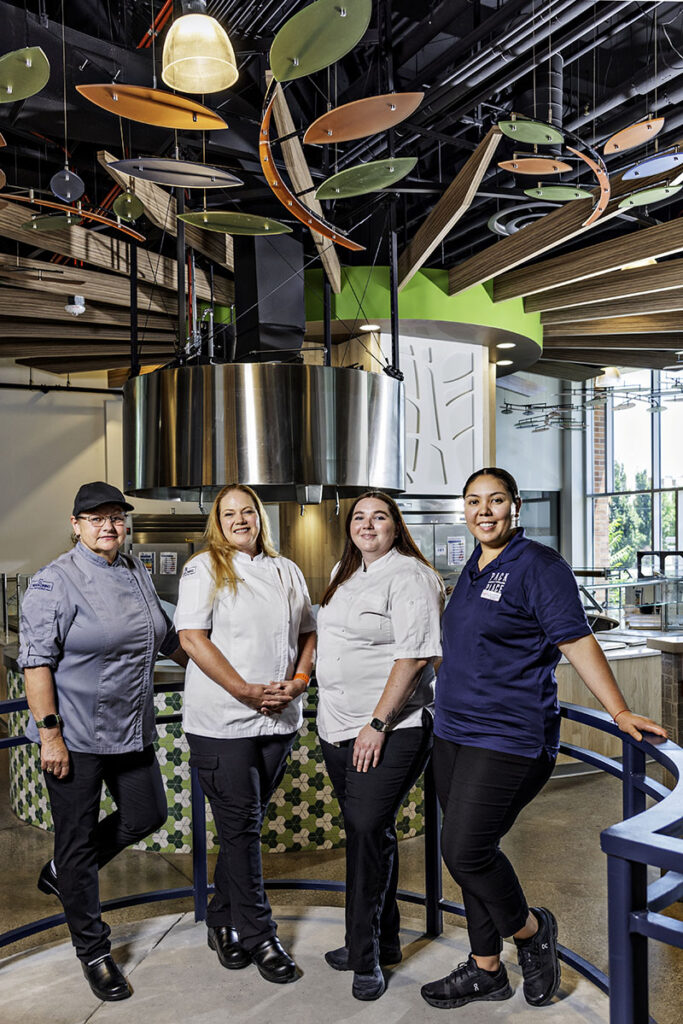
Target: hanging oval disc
128, 207
635, 135
647, 196
318, 36
364, 178
660, 163
181, 173
23, 73
67, 186
51, 222
233, 223
558, 193
536, 132
534, 165
360, 118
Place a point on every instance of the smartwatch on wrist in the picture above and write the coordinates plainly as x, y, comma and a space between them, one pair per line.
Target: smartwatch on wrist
49, 722
378, 724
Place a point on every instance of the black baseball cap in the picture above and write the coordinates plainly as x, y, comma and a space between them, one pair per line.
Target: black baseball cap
97, 493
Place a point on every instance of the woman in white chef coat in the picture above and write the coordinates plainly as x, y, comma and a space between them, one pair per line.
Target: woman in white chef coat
244, 618
378, 633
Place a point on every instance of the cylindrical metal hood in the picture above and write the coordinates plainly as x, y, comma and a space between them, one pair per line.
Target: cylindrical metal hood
190, 430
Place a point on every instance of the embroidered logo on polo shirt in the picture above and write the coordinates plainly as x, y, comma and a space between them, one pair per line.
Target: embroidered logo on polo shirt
494, 586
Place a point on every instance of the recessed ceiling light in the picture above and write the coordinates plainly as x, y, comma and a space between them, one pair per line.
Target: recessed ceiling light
370, 327
504, 362
506, 344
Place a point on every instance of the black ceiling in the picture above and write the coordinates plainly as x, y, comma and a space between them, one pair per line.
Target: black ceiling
475, 59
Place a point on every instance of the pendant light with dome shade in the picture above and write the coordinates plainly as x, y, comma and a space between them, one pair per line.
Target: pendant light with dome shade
198, 56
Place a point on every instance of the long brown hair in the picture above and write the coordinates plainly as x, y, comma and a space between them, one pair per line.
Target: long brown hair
351, 557
220, 549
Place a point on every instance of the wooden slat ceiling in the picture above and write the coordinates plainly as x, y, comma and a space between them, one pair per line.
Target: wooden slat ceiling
638, 305
83, 364
670, 342
601, 357
654, 324
607, 287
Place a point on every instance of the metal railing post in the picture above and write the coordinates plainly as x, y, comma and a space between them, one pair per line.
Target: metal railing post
200, 875
633, 798
628, 952
432, 832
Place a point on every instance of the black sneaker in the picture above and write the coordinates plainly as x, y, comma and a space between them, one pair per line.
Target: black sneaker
538, 959
465, 984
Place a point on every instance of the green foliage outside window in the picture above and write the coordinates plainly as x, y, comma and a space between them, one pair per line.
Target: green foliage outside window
630, 525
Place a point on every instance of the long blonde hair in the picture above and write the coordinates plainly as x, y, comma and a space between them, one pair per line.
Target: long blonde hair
221, 551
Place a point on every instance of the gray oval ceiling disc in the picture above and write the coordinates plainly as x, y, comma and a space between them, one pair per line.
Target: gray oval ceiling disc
176, 173
67, 186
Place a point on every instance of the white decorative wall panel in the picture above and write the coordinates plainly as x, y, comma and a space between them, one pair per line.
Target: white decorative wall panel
446, 407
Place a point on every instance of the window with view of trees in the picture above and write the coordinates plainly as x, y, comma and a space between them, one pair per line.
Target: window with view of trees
636, 466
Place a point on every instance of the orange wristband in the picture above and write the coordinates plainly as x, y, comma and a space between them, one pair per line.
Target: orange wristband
302, 675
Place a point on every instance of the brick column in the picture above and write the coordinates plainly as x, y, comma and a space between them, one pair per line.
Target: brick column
672, 684
600, 505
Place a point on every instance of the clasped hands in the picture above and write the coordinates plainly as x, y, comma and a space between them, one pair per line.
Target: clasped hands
273, 698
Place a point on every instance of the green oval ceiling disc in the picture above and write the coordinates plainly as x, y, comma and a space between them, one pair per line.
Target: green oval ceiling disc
363, 178
128, 207
317, 36
23, 73
646, 196
535, 132
558, 193
52, 222
232, 223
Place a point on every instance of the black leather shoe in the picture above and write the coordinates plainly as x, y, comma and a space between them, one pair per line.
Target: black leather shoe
106, 980
47, 881
226, 942
273, 962
368, 985
338, 959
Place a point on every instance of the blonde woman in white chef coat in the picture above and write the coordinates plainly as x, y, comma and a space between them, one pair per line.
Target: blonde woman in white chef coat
244, 618
378, 633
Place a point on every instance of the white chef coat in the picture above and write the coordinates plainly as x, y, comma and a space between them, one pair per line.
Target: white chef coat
257, 629
389, 610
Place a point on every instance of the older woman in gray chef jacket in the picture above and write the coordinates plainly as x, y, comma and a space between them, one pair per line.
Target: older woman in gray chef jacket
91, 629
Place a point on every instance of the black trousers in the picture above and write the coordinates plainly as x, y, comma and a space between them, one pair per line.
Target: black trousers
369, 802
238, 777
481, 792
83, 844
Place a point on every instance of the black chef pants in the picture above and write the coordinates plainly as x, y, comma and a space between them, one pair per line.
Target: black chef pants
238, 777
83, 844
369, 802
481, 792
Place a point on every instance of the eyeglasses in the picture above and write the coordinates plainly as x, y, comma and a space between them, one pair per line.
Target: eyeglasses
98, 521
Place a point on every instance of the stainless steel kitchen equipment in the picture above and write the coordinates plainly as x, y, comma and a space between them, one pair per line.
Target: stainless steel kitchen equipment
437, 526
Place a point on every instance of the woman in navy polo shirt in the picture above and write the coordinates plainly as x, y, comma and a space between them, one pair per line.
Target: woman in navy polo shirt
514, 611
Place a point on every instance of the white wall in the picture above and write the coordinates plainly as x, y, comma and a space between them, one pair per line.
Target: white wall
51, 444
535, 460
446, 387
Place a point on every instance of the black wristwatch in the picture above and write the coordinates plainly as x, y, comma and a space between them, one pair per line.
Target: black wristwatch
378, 724
49, 722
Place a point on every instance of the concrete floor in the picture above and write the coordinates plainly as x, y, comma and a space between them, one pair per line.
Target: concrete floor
554, 846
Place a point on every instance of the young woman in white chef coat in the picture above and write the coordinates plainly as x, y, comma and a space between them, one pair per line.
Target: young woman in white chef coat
378, 633
244, 618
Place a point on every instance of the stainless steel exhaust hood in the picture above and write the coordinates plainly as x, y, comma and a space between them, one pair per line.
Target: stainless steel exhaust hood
187, 431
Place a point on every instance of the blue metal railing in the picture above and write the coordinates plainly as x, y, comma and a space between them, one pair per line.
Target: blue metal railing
646, 837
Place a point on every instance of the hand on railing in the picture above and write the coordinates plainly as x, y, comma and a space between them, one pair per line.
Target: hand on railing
636, 725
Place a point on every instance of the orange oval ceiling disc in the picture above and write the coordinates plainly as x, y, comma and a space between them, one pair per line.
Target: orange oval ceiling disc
364, 117
3, 141
152, 106
635, 135
534, 165
287, 197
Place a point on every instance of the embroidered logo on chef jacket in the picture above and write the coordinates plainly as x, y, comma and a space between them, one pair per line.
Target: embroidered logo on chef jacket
189, 570
494, 586
40, 585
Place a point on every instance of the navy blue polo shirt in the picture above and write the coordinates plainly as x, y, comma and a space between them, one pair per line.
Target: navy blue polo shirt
496, 687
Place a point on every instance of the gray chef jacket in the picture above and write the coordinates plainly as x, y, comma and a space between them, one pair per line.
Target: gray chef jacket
99, 628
